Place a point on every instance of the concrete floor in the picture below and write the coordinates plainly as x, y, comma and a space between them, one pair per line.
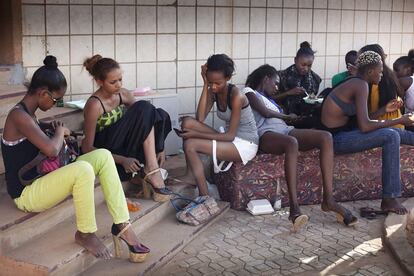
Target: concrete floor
241, 244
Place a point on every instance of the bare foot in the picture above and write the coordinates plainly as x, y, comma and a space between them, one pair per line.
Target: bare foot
91, 242
345, 215
392, 205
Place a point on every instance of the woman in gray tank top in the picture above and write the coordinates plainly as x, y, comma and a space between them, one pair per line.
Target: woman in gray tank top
277, 137
240, 140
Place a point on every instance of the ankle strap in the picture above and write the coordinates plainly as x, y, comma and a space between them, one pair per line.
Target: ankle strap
123, 229
152, 172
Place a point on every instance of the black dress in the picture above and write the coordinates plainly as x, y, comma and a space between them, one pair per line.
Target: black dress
124, 130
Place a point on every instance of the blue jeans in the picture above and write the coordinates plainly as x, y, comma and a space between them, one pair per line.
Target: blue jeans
389, 139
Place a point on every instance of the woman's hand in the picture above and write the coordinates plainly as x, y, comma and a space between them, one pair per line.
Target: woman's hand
188, 133
59, 124
204, 72
407, 119
130, 164
297, 91
393, 105
292, 117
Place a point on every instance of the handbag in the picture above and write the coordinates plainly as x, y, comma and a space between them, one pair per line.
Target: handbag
44, 165
198, 211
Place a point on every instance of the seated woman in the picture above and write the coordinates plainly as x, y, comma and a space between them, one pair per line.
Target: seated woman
297, 81
345, 115
239, 142
384, 102
277, 137
23, 139
134, 131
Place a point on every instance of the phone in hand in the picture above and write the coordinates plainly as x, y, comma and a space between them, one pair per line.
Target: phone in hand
178, 131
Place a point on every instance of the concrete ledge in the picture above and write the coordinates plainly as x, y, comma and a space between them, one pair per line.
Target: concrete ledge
396, 240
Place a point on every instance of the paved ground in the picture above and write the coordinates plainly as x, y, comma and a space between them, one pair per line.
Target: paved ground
241, 244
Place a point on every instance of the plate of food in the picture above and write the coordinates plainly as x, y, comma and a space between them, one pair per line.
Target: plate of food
312, 99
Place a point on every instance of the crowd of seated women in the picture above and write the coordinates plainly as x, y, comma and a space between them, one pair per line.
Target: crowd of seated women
124, 138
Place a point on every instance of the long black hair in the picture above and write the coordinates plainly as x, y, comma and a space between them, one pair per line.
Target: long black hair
48, 76
255, 78
389, 87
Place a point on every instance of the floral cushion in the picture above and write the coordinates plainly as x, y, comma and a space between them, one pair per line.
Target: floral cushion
356, 176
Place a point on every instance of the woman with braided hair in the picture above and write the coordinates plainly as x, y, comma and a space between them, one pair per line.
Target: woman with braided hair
345, 115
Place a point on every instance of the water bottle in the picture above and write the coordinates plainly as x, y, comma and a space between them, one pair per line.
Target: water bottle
278, 201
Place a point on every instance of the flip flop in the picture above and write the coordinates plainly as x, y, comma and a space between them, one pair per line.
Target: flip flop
371, 213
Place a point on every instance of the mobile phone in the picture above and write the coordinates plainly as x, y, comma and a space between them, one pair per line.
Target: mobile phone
178, 131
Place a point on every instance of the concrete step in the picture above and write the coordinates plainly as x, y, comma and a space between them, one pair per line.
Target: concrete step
5, 74
166, 239
73, 118
61, 256
18, 227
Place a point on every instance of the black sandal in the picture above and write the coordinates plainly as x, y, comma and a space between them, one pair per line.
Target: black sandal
371, 213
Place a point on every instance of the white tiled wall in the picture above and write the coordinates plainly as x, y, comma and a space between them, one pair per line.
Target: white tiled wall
162, 43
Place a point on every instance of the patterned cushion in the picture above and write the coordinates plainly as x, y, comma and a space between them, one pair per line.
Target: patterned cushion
357, 176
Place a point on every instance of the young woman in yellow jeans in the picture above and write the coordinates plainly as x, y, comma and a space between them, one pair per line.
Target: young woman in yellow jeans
21, 142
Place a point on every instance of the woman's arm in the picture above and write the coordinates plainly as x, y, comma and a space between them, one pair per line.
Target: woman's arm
236, 103
206, 100
28, 128
365, 124
128, 98
204, 104
292, 92
258, 105
391, 106
91, 113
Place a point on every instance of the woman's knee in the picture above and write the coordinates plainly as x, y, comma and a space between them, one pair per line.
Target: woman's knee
188, 122
391, 136
291, 144
84, 169
325, 139
190, 146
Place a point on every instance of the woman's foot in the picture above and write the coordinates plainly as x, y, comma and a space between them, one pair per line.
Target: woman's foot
129, 235
344, 214
392, 205
91, 242
297, 218
155, 179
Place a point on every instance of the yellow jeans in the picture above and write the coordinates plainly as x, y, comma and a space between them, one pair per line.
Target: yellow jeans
77, 179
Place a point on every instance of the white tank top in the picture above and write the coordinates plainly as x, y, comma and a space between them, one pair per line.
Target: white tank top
409, 97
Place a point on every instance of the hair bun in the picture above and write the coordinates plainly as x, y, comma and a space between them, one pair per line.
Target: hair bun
89, 63
50, 62
305, 44
411, 54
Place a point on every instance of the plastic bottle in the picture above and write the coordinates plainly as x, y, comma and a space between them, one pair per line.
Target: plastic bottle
278, 201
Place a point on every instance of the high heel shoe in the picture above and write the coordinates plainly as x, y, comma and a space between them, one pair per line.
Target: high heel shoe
158, 194
298, 221
137, 253
348, 219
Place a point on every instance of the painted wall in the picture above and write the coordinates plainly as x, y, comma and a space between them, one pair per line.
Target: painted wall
162, 43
